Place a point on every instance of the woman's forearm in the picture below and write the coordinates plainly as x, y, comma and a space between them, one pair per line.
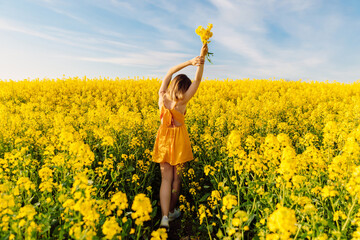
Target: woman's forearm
171, 71
179, 67
197, 61
199, 72
200, 68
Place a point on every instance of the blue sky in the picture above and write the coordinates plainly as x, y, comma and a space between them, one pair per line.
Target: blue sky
289, 39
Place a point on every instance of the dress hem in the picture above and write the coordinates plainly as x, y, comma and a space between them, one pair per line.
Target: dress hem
175, 164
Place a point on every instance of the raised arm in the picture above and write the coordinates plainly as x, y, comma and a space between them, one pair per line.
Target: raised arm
198, 76
164, 85
167, 78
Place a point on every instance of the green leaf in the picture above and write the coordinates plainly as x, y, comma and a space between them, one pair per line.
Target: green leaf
130, 169
204, 198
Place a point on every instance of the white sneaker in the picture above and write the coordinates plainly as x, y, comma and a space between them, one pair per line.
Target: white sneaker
174, 215
165, 223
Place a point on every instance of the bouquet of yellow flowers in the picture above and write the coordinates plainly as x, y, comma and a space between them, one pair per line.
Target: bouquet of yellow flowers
205, 35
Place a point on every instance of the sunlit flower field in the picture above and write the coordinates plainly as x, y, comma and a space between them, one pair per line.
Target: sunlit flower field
273, 160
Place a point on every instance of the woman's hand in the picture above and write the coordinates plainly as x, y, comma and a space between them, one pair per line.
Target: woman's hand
197, 61
204, 50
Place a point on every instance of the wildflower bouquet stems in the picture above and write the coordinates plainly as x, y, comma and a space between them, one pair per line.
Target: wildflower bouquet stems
205, 35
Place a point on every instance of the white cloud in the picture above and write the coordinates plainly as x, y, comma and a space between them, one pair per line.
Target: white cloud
6, 25
240, 44
148, 58
296, 5
162, 18
88, 41
307, 49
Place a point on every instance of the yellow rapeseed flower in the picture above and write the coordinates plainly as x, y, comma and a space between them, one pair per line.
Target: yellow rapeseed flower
111, 228
142, 207
283, 222
228, 202
159, 234
28, 211
329, 191
119, 200
205, 34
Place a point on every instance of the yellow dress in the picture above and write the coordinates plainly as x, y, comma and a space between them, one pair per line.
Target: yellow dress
172, 144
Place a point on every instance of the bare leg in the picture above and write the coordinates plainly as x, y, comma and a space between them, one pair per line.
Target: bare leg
165, 188
176, 186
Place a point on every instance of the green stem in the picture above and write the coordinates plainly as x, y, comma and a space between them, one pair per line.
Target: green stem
299, 228
283, 195
348, 216
207, 227
138, 232
337, 222
220, 217
253, 206
104, 192
239, 187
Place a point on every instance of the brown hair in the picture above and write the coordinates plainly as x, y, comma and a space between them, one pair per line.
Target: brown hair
178, 86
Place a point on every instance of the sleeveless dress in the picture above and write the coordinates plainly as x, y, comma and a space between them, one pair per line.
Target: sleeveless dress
172, 144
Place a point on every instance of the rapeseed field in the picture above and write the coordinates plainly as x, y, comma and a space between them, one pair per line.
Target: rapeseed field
274, 159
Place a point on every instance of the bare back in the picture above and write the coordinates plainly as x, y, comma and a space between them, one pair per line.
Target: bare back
180, 106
